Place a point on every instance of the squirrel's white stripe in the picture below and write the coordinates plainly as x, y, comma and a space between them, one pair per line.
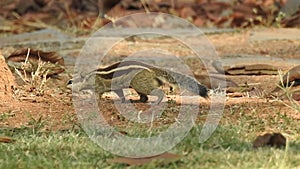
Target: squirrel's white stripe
122, 68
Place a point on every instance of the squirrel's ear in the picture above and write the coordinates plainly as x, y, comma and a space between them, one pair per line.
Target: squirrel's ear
171, 89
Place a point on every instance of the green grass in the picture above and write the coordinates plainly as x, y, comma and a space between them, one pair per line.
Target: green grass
67, 149
229, 147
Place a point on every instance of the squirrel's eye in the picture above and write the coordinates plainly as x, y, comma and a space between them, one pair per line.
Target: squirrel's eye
70, 81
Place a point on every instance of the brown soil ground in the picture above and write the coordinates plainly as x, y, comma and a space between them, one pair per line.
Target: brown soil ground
6, 80
24, 105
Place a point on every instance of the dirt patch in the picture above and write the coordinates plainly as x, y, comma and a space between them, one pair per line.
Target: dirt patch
7, 80
53, 110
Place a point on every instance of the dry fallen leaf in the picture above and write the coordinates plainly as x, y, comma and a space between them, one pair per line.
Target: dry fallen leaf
290, 78
293, 75
163, 158
4, 139
276, 140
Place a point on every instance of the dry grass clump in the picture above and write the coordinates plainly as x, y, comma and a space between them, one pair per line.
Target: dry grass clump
37, 79
287, 90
